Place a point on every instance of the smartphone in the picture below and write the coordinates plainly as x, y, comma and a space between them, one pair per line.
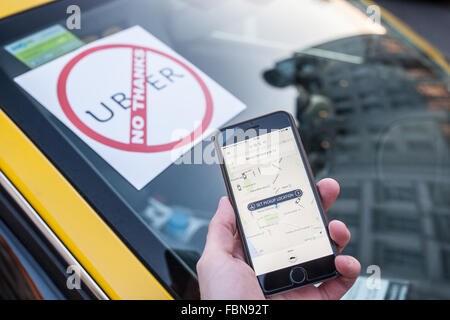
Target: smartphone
279, 215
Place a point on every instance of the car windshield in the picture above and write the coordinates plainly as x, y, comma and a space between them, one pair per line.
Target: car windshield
372, 111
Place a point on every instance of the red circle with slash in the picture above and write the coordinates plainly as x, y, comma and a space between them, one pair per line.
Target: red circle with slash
71, 115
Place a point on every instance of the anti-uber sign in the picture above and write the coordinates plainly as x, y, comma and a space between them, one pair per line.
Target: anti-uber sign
133, 100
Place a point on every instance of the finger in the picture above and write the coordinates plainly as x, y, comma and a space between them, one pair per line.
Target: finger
349, 269
339, 233
328, 191
238, 250
222, 228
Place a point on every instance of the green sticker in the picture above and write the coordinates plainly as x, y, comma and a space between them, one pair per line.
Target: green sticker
44, 46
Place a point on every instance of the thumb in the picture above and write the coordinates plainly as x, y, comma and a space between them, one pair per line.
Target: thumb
222, 228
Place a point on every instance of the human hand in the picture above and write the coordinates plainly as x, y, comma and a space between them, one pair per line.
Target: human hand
224, 274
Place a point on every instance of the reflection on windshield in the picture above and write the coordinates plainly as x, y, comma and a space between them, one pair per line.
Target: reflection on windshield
380, 127
177, 224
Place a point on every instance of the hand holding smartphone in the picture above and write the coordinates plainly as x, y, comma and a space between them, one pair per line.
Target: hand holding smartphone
278, 210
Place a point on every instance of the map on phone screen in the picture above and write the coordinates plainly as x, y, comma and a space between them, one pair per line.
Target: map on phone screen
275, 200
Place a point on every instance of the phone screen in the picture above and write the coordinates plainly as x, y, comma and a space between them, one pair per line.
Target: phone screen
277, 208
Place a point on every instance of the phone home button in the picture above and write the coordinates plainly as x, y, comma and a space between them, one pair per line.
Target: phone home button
297, 275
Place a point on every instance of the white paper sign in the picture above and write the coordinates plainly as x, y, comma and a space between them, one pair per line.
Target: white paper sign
132, 99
